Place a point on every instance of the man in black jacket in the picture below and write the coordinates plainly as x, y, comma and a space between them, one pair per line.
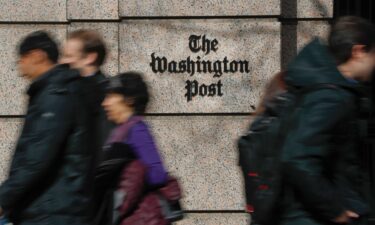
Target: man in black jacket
47, 183
321, 155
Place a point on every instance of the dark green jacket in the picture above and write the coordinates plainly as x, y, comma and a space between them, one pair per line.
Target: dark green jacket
321, 158
49, 175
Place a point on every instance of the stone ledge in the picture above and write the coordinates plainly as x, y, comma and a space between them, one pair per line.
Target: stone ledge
33, 11
155, 8
215, 219
92, 9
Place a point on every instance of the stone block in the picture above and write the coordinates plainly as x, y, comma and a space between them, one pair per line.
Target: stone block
9, 131
315, 8
134, 8
308, 30
215, 219
187, 76
296, 36
307, 8
92, 9
35, 10
202, 152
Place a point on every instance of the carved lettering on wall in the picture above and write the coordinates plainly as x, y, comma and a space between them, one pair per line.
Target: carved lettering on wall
193, 65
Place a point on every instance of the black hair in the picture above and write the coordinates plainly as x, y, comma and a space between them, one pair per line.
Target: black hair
349, 31
132, 86
39, 40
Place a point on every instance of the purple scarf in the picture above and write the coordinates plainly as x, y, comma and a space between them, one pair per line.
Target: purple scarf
120, 132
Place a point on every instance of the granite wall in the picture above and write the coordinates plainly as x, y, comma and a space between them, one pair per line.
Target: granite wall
206, 62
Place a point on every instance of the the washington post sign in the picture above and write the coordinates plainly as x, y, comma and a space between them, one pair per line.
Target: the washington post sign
202, 66
192, 65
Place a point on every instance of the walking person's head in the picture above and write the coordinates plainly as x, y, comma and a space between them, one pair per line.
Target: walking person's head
85, 51
127, 95
37, 53
352, 43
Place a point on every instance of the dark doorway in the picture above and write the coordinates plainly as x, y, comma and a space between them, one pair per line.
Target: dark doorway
363, 8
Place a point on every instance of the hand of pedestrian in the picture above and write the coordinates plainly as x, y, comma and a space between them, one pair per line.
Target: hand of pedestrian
346, 217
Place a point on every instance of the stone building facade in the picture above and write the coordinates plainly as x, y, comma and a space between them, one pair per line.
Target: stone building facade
206, 62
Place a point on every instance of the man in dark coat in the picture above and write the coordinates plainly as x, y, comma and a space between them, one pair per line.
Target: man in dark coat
85, 51
322, 159
47, 183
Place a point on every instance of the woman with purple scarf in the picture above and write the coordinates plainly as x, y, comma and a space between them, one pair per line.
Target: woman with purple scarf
144, 182
125, 101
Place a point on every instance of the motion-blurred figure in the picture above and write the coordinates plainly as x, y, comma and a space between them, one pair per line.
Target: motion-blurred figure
47, 183
85, 51
321, 156
144, 193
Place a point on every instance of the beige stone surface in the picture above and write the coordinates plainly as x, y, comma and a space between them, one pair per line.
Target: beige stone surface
35, 10
308, 30
145, 8
215, 219
12, 86
200, 150
9, 131
295, 37
315, 8
92, 9
109, 31
254, 40
5, 157
307, 8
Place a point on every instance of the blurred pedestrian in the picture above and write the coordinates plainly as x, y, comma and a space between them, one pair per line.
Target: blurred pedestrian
148, 193
321, 156
47, 183
85, 51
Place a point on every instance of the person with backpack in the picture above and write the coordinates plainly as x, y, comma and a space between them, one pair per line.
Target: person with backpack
306, 166
142, 191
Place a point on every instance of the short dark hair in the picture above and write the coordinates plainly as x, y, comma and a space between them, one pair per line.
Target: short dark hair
92, 43
40, 40
349, 31
131, 85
